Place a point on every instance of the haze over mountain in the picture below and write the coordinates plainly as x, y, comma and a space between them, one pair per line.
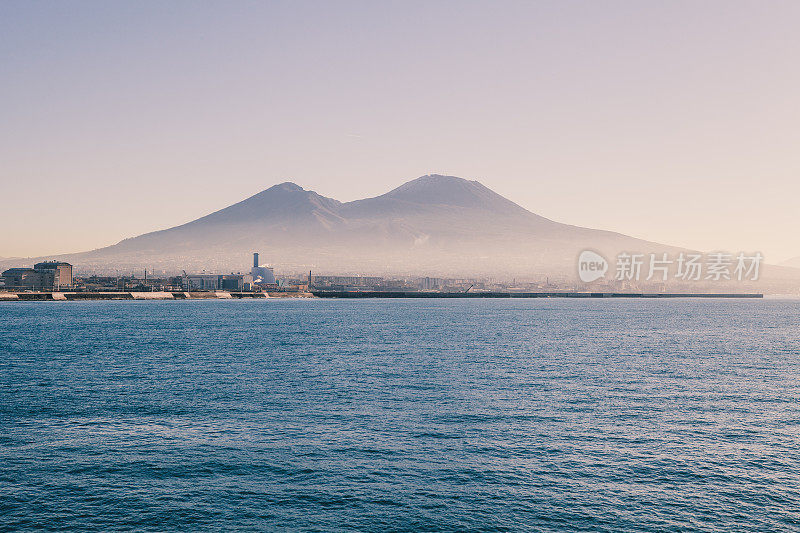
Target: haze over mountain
433, 225
794, 262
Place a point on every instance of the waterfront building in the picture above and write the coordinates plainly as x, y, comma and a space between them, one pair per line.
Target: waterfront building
344, 282
262, 274
213, 282
231, 282
201, 282
48, 275
61, 273
430, 284
23, 278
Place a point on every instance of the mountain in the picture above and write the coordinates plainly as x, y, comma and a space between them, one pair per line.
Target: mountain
794, 262
434, 225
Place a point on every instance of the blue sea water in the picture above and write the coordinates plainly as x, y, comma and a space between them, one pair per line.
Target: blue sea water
401, 415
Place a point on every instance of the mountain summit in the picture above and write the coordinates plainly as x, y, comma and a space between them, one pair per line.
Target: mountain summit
282, 202
436, 225
450, 190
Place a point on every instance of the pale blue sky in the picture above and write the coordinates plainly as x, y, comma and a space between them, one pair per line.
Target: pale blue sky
674, 121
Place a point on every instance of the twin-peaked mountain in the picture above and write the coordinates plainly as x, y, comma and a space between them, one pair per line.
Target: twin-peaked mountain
434, 225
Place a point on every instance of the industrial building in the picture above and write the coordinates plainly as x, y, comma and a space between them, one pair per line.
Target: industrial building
213, 282
48, 275
262, 274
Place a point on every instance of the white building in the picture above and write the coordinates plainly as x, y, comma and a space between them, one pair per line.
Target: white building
262, 274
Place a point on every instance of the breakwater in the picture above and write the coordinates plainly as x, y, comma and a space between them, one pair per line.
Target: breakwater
220, 295
411, 294
133, 295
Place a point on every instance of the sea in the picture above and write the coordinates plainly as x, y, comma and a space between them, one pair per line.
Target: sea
400, 415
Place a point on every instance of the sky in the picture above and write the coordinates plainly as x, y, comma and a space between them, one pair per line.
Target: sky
677, 122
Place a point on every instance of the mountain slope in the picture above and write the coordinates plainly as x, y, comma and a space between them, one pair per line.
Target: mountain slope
794, 262
277, 209
433, 224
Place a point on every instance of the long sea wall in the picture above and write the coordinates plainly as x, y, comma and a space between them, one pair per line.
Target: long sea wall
133, 295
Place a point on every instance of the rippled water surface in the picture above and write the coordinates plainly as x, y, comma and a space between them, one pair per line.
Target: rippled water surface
390, 415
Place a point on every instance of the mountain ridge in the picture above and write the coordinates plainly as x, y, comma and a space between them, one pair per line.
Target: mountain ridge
793, 262
433, 224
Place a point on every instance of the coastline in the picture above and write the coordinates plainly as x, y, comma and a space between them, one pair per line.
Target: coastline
134, 295
226, 295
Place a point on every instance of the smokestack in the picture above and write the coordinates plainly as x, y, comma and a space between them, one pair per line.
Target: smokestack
255, 259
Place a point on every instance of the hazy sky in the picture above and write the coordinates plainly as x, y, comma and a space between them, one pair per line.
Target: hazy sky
677, 122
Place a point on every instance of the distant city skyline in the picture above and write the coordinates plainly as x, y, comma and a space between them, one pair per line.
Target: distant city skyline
673, 122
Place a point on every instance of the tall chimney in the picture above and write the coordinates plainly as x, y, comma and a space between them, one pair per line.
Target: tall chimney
255, 259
